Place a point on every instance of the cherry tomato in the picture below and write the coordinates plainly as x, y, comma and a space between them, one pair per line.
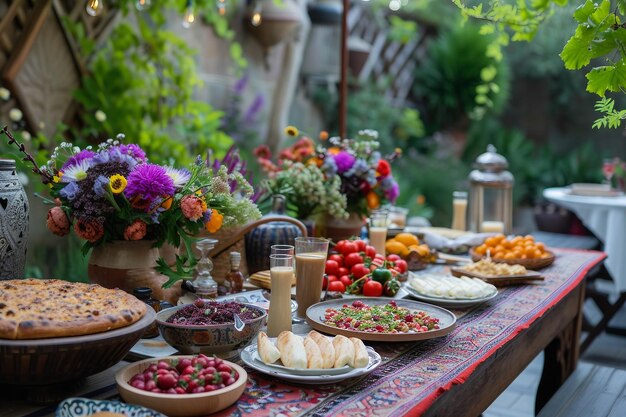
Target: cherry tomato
337, 286
337, 258
359, 270
332, 278
332, 267
393, 257
372, 289
370, 251
361, 245
401, 265
348, 248
339, 246
343, 271
346, 280
352, 259
379, 256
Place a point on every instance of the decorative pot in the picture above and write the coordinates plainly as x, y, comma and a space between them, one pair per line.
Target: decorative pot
128, 265
13, 222
282, 230
338, 229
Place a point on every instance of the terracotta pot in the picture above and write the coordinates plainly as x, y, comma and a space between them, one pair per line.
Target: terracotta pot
337, 229
128, 265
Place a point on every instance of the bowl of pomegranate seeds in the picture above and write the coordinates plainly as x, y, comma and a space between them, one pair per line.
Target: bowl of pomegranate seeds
185, 386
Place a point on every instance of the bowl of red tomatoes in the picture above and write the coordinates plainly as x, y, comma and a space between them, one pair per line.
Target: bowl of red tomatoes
355, 268
185, 386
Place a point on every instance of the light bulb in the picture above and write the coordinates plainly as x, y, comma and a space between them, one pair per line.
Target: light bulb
142, 4
189, 17
256, 19
94, 7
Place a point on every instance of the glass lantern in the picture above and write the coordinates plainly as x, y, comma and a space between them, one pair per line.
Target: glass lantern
491, 194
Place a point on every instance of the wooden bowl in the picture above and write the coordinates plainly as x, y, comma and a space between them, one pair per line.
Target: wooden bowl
179, 405
42, 362
532, 263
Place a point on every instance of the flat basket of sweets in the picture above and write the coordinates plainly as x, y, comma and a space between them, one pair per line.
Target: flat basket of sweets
497, 273
519, 250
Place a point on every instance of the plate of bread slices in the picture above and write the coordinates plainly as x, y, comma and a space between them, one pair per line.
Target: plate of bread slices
312, 358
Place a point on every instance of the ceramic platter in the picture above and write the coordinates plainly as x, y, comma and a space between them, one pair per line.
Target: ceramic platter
83, 407
447, 320
448, 302
250, 357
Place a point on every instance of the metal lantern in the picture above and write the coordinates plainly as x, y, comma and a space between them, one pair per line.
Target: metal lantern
491, 194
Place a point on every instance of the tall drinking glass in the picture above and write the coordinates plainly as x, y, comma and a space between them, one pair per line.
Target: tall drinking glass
281, 274
378, 230
310, 264
282, 250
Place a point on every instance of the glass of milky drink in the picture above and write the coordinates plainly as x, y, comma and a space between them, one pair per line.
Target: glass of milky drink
378, 230
281, 274
310, 264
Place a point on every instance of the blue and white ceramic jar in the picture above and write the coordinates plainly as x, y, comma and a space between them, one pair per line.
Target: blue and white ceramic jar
13, 222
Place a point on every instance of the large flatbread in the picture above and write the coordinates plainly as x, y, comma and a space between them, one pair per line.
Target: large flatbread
344, 351
37, 309
267, 351
361, 359
313, 354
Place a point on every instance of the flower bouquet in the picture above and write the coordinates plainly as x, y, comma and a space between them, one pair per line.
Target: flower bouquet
348, 176
114, 193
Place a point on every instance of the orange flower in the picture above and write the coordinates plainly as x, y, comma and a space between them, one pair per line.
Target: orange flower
57, 221
167, 203
334, 150
323, 135
373, 201
420, 199
215, 223
136, 231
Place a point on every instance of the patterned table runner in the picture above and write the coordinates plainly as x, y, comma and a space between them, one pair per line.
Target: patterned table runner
413, 375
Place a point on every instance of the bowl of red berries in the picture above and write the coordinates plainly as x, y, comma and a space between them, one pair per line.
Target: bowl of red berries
186, 386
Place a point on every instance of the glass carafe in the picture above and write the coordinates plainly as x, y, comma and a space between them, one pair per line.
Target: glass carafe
203, 283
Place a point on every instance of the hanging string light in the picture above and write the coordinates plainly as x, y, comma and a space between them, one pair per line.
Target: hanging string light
221, 7
190, 16
256, 17
143, 4
94, 7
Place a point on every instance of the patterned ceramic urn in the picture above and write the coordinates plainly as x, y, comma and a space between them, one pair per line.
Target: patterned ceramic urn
13, 222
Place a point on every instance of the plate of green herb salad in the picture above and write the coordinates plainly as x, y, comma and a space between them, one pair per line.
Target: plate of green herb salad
381, 319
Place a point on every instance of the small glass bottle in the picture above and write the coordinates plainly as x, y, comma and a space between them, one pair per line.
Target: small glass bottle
235, 277
203, 283
145, 294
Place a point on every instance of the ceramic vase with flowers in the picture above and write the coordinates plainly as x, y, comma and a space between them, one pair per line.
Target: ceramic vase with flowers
345, 179
125, 208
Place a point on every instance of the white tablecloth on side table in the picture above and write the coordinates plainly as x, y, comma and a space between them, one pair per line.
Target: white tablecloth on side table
606, 218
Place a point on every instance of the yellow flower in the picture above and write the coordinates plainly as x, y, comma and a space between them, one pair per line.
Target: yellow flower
167, 203
291, 131
398, 151
57, 178
117, 183
215, 223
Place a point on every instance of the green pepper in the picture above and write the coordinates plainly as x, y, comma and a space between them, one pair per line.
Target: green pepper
391, 287
381, 275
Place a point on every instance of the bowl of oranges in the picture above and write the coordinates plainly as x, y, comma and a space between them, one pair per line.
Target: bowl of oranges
518, 250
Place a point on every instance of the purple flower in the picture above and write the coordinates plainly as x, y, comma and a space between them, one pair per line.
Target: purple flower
78, 158
392, 192
254, 109
69, 191
206, 217
100, 185
116, 156
344, 161
132, 150
148, 182
329, 167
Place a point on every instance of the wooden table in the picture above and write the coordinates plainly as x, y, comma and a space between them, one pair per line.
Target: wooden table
456, 375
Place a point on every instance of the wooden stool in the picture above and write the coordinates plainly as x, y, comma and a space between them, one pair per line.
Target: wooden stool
591, 391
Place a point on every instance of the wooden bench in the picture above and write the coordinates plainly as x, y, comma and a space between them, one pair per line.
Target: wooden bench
591, 391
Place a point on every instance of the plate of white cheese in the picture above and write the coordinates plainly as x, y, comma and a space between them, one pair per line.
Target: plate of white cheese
450, 291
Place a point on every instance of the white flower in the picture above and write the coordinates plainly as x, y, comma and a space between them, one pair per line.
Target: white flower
179, 176
77, 172
15, 114
26, 135
100, 116
5, 94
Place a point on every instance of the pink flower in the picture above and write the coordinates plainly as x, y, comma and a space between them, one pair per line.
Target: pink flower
57, 221
136, 231
89, 230
193, 207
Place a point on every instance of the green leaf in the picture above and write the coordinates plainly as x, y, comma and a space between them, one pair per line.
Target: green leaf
488, 73
577, 51
611, 78
584, 11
